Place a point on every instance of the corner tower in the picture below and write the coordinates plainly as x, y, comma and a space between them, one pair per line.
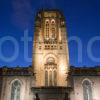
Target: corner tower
50, 49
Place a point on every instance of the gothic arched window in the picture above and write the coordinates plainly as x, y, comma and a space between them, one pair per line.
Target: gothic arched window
50, 78
50, 72
15, 90
53, 28
87, 90
46, 78
47, 29
55, 78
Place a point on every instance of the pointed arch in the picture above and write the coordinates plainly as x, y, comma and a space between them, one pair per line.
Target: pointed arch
53, 28
15, 90
50, 71
87, 90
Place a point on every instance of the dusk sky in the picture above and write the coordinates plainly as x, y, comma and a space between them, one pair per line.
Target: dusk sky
82, 20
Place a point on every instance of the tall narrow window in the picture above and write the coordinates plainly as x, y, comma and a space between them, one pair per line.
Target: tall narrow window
46, 78
55, 78
87, 90
47, 29
53, 29
15, 90
50, 78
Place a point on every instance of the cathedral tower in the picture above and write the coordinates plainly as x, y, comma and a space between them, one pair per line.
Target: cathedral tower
50, 49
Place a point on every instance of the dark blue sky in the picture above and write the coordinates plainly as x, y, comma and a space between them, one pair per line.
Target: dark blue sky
83, 22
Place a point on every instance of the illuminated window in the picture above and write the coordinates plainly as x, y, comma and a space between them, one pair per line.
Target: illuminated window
15, 90
87, 90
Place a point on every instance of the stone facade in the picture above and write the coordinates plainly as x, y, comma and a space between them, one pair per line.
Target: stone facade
27, 80
50, 50
50, 77
79, 75
9, 76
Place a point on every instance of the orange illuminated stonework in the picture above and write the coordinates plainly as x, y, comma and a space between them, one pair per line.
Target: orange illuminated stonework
50, 50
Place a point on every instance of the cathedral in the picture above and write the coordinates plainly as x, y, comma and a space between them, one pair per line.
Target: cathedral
50, 77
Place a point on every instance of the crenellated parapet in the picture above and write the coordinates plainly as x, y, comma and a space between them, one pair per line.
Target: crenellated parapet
85, 71
16, 71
